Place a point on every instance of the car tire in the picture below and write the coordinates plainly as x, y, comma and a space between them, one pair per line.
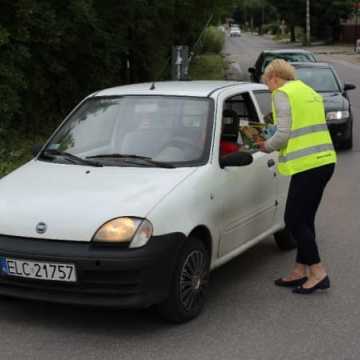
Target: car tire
347, 144
189, 284
284, 240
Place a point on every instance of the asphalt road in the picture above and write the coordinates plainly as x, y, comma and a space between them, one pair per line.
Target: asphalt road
246, 318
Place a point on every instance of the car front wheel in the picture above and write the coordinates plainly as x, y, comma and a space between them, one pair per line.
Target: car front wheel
284, 240
189, 284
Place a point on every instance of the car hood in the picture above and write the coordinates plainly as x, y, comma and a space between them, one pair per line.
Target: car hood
74, 201
335, 102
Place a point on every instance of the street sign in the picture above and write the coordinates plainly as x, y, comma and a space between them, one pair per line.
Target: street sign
180, 63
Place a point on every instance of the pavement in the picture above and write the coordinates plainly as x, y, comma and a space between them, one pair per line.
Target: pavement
337, 53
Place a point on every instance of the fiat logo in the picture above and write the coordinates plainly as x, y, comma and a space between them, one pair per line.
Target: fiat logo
41, 228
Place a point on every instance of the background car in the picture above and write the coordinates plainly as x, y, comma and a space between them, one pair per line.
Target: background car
323, 79
291, 55
235, 30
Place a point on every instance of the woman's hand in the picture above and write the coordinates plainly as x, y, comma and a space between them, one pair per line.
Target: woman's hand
261, 146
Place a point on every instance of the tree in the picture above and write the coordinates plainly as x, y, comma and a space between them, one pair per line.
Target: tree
325, 15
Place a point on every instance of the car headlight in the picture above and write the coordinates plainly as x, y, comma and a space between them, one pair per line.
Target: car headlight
134, 231
337, 115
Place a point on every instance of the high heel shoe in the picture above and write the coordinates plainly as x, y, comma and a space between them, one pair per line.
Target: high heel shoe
321, 285
290, 283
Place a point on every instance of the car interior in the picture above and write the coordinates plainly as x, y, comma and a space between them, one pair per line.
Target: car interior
241, 123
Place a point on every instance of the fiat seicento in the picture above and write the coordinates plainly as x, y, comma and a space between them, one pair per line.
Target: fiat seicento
131, 204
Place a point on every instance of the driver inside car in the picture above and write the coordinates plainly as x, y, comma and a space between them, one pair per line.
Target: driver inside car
230, 133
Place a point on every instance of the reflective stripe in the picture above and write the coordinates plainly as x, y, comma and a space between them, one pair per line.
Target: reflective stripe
305, 152
308, 130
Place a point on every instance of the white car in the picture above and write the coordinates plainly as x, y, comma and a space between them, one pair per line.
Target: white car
235, 31
130, 204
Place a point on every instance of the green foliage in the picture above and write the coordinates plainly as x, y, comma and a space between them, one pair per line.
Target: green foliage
325, 15
207, 67
272, 28
213, 40
53, 53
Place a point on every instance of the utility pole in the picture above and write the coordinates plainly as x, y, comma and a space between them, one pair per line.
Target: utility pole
262, 16
308, 30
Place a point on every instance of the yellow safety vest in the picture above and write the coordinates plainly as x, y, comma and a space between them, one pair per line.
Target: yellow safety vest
309, 145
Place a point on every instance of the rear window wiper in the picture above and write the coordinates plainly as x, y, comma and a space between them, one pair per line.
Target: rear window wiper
133, 159
53, 153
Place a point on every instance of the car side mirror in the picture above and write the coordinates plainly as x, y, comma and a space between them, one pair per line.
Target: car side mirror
36, 149
349, 87
251, 70
240, 158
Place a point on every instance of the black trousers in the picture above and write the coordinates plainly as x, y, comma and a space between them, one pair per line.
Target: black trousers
305, 192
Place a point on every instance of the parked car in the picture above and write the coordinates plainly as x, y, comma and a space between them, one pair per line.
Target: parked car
129, 203
235, 31
265, 58
323, 78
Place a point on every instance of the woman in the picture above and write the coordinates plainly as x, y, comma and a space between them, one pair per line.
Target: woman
307, 155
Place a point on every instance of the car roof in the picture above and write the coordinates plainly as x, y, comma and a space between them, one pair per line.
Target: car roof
200, 88
287, 51
311, 64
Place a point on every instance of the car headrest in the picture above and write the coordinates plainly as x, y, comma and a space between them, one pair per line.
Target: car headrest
230, 123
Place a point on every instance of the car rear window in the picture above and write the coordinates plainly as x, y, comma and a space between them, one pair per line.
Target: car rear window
290, 57
320, 79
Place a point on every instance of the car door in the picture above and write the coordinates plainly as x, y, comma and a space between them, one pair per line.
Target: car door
248, 193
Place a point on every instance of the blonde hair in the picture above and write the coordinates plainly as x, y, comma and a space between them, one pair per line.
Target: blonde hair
281, 69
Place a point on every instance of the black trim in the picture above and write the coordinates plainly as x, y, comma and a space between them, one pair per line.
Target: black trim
107, 275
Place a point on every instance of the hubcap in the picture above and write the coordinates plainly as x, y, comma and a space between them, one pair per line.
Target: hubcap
193, 280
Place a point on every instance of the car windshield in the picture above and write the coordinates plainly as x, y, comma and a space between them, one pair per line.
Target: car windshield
165, 129
290, 57
320, 79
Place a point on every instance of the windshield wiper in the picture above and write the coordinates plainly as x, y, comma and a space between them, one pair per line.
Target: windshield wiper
53, 153
133, 159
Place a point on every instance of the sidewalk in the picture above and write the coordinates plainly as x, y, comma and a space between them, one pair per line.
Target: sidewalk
337, 52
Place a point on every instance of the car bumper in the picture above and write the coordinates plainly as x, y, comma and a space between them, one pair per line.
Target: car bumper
340, 130
106, 276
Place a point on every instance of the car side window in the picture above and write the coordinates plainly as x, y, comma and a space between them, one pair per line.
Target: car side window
241, 125
263, 98
243, 106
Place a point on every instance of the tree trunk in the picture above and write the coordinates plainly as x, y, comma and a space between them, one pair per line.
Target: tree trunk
292, 33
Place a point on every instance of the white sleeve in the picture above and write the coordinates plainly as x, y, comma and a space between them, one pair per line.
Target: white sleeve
283, 115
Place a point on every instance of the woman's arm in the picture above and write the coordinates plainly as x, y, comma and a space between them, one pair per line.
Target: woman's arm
282, 134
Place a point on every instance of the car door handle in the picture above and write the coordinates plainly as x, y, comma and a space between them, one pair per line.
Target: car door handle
271, 163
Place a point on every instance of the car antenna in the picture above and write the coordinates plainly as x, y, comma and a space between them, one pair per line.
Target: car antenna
192, 52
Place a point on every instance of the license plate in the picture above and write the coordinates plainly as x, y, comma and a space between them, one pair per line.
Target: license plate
38, 270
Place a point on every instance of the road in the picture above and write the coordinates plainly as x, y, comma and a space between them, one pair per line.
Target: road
246, 318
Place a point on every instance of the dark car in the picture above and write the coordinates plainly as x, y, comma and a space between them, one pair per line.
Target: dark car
322, 78
291, 55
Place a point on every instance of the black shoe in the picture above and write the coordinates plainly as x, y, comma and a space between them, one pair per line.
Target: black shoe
290, 283
321, 285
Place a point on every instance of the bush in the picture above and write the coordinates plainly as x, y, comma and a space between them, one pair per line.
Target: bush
16, 149
213, 40
207, 67
273, 28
